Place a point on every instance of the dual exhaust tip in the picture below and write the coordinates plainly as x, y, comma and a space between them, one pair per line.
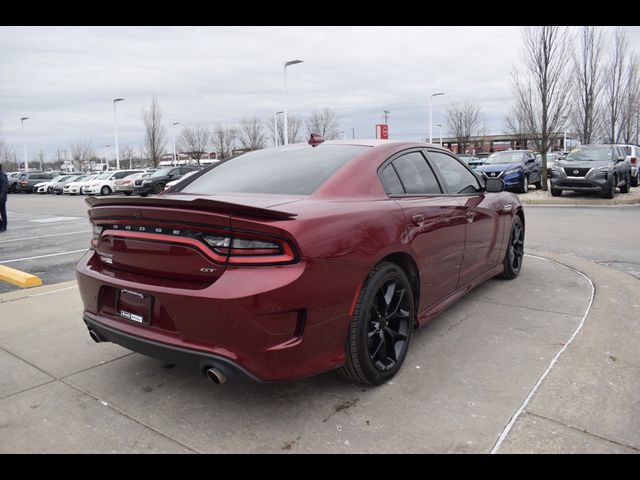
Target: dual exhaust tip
213, 374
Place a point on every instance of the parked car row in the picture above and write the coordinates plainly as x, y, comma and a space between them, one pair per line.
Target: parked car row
139, 181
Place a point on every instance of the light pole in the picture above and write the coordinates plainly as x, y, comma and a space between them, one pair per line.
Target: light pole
115, 131
106, 152
440, 125
286, 123
431, 115
275, 125
24, 145
174, 142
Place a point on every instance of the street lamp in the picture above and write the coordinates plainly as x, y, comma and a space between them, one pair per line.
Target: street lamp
440, 125
24, 145
115, 130
275, 126
431, 115
106, 159
174, 142
286, 123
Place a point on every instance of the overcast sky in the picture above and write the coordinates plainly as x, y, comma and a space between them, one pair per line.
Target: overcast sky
64, 78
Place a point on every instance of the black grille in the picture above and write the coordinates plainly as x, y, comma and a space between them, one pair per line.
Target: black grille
576, 172
138, 182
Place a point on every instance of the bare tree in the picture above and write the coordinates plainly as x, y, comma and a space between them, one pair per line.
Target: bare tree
294, 124
614, 85
586, 114
543, 92
155, 134
224, 141
324, 123
195, 141
629, 111
7, 155
40, 158
127, 152
515, 124
463, 121
251, 134
81, 150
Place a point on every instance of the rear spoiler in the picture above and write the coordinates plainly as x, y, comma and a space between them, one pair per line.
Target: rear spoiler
191, 203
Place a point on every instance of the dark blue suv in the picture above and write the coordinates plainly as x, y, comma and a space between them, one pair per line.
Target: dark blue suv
516, 168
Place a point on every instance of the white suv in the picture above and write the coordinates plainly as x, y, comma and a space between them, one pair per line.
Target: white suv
103, 184
633, 155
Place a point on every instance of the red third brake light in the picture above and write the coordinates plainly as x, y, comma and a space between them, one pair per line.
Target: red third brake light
315, 140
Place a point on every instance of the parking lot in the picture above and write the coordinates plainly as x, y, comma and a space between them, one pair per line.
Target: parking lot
46, 236
523, 366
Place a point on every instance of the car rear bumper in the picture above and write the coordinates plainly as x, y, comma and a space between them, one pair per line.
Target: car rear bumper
273, 322
188, 358
121, 189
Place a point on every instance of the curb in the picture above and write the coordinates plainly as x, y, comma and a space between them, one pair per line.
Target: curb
36, 291
581, 201
19, 278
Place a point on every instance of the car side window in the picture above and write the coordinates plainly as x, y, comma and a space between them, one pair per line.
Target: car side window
456, 176
416, 175
120, 175
390, 181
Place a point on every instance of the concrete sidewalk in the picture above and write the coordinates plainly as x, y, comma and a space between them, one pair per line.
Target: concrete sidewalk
467, 374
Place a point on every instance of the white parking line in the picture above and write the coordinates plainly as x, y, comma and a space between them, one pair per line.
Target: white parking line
44, 236
53, 291
13, 260
45, 225
516, 415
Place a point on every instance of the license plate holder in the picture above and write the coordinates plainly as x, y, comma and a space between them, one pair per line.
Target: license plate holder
134, 306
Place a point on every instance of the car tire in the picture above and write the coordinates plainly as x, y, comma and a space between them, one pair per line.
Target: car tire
127, 193
610, 190
370, 357
634, 181
104, 191
13, 189
525, 185
556, 192
627, 184
513, 257
158, 188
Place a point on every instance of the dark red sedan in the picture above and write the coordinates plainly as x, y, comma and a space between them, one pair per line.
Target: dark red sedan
286, 262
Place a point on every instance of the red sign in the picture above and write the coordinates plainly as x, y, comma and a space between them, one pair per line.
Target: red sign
382, 131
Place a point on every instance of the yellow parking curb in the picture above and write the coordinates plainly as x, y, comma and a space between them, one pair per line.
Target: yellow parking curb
19, 278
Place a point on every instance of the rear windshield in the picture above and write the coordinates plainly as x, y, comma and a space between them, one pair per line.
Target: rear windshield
295, 170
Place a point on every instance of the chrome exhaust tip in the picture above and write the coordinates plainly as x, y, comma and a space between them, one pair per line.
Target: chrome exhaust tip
94, 336
215, 375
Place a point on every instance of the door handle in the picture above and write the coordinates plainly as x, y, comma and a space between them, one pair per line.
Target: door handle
418, 220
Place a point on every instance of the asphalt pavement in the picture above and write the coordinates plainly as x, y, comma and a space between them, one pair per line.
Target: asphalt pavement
523, 366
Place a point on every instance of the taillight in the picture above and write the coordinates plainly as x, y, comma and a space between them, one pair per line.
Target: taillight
97, 231
634, 160
250, 249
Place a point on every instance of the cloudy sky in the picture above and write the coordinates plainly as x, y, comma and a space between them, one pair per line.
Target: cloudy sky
64, 78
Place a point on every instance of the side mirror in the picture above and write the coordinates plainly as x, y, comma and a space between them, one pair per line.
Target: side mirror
531, 160
621, 159
493, 185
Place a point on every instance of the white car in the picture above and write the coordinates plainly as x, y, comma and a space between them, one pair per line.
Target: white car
43, 187
175, 182
75, 187
104, 183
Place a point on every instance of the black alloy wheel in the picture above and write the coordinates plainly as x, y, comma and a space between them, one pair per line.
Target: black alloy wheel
381, 327
515, 251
